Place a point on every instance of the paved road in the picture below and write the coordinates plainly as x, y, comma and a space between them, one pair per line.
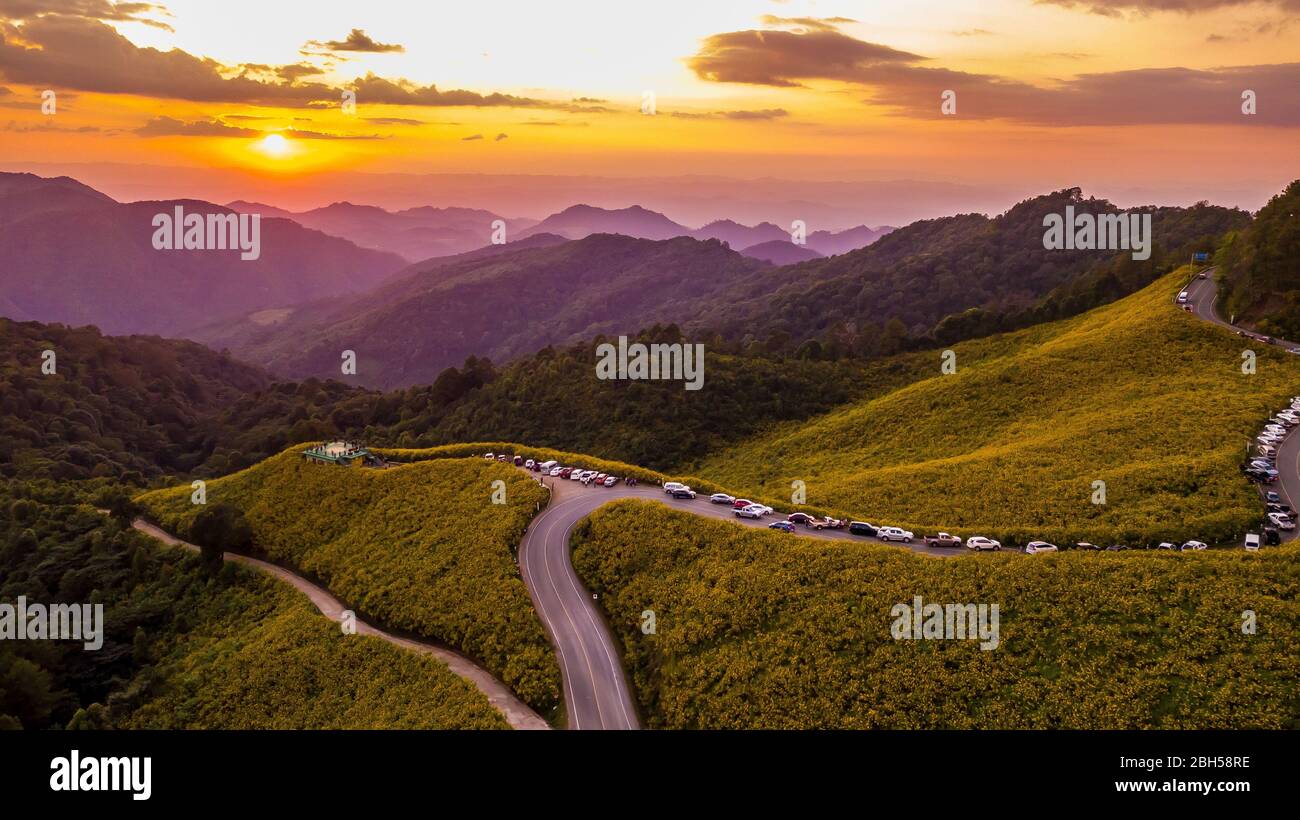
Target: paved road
596, 693
1202, 295
515, 711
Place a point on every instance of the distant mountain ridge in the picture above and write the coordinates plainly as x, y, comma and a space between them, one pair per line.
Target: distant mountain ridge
76, 256
414, 233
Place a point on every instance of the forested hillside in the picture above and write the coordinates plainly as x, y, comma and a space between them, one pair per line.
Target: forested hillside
1259, 268
188, 644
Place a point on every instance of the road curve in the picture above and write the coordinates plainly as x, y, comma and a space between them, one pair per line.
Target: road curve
1202, 295
596, 692
515, 711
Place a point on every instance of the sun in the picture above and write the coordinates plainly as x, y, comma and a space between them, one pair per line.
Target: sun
274, 145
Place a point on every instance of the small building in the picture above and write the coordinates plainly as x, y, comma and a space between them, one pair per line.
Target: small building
344, 453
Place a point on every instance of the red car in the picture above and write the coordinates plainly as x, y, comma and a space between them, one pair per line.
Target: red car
566, 472
741, 503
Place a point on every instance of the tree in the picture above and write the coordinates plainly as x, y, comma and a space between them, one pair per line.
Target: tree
220, 528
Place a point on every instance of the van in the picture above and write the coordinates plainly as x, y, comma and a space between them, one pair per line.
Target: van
547, 466
1182, 298
1252, 542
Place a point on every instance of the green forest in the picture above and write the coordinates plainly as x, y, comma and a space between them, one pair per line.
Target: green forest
187, 644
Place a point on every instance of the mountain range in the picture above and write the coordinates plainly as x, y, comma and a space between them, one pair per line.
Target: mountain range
76, 256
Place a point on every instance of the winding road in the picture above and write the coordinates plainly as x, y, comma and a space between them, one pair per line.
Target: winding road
596, 692
1202, 295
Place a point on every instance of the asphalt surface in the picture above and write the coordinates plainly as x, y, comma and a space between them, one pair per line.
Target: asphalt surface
1201, 295
596, 692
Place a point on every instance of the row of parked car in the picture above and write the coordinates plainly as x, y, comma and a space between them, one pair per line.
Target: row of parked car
745, 508
1263, 470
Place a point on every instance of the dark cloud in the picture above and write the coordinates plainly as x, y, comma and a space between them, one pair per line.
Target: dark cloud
170, 127
906, 84
1116, 8
71, 52
56, 51
474, 137
356, 41
296, 71
760, 114
88, 9
973, 32
804, 23
783, 58
392, 121
375, 89
501, 137
47, 126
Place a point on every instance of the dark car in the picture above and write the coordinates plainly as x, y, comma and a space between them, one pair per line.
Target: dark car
1116, 548
683, 493
861, 528
1084, 545
800, 518
1271, 536
783, 526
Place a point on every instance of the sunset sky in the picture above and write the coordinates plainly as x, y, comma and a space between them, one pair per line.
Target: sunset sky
1115, 95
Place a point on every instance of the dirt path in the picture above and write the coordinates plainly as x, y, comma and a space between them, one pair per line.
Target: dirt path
516, 712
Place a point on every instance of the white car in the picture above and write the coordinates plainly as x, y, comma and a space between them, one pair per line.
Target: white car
1035, 547
752, 511
555, 471
1252, 542
577, 474
1182, 298
610, 481
894, 534
1281, 520
490, 457
722, 498
1266, 450
981, 544
669, 486
1194, 545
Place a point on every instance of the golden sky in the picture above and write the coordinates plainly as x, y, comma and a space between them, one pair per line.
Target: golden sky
1109, 92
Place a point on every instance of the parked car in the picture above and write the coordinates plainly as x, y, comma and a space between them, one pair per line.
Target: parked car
519, 461
943, 539
547, 466
827, 523
610, 481
684, 493
1036, 547
1282, 521
530, 464
503, 457
784, 526
1116, 548
1191, 546
1252, 542
490, 457
894, 534
1085, 545
577, 474
669, 486
555, 471
722, 498
799, 518
861, 528
981, 544
1182, 298
1164, 545
1272, 497
1271, 536
752, 511
741, 503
